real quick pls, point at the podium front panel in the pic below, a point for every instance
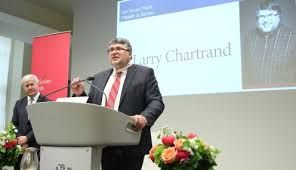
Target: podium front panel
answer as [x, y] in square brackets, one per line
[80, 124]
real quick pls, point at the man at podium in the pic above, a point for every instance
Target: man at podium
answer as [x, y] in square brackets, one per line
[133, 90]
[25, 134]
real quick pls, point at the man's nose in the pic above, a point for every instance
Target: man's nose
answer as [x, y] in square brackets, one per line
[265, 21]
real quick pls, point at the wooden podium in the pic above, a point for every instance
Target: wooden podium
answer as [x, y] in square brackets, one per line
[72, 135]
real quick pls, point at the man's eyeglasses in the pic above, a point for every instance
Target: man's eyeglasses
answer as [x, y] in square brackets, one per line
[268, 16]
[110, 50]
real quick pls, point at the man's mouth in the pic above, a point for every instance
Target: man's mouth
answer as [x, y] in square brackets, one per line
[115, 58]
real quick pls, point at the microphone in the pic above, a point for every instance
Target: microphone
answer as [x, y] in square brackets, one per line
[90, 78]
[86, 80]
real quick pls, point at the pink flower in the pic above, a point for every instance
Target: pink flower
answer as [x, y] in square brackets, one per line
[168, 140]
[182, 155]
[192, 135]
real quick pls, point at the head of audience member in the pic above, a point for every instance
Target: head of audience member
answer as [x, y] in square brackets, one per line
[268, 16]
[30, 84]
[119, 52]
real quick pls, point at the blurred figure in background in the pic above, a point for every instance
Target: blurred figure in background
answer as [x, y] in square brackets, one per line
[25, 134]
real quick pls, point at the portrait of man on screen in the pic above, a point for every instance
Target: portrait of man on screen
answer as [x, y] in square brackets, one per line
[269, 51]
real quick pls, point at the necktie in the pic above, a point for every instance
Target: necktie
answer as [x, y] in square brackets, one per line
[113, 92]
[31, 100]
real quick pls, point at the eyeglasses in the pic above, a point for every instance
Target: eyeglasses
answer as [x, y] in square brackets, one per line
[268, 16]
[112, 49]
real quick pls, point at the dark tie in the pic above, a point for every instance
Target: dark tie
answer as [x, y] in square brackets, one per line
[31, 100]
[114, 91]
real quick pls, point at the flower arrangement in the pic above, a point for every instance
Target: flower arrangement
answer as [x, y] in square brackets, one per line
[182, 152]
[9, 149]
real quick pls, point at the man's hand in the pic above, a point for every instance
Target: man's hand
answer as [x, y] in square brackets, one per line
[140, 121]
[22, 140]
[78, 87]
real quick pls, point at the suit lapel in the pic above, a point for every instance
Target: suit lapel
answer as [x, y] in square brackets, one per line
[23, 107]
[40, 99]
[102, 83]
[25, 102]
[128, 79]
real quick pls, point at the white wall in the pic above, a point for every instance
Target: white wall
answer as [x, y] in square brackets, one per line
[254, 130]
[94, 25]
[38, 12]
[5, 45]
[20, 29]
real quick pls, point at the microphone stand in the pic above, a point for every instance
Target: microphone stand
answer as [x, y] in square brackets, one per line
[62, 88]
[87, 81]
[89, 78]
[84, 80]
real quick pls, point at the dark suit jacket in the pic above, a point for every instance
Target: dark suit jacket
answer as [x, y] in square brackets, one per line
[21, 122]
[140, 95]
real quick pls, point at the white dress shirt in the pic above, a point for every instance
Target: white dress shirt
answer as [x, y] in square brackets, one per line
[110, 82]
[35, 98]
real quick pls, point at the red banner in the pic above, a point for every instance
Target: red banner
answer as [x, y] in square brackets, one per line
[50, 62]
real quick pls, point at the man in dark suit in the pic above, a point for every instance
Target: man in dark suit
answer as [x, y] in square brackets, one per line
[133, 90]
[25, 134]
